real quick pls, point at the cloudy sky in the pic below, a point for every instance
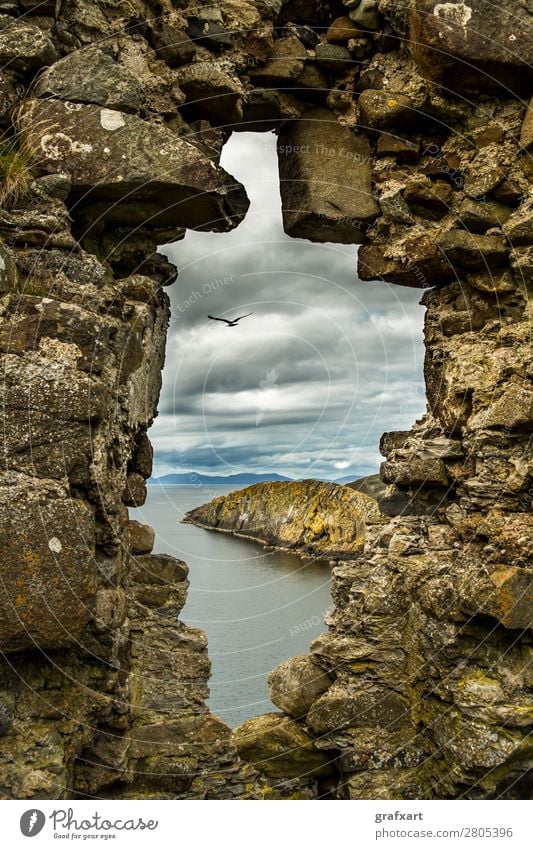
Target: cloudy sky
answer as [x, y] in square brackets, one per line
[307, 384]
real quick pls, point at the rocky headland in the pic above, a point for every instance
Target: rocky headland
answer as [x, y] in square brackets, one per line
[404, 127]
[308, 517]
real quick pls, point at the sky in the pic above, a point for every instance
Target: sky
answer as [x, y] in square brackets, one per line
[307, 384]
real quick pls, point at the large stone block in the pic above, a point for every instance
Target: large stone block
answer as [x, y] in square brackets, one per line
[51, 407]
[131, 171]
[285, 64]
[279, 747]
[211, 94]
[24, 48]
[418, 263]
[325, 180]
[92, 76]
[474, 46]
[47, 566]
[415, 471]
[375, 708]
[468, 250]
[296, 683]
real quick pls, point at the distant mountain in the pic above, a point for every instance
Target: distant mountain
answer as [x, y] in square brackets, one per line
[197, 479]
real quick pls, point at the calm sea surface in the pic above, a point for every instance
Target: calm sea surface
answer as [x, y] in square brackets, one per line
[257, 607]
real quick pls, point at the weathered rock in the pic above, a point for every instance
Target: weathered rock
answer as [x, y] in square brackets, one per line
[403, 150]
[495, 283]
[143, 454]
[304, 33]
[209, 33]
[48, 569]
[285, 64]
[512, 409]
[158, 569]
[415, 472]
[8, 271]
[134, 493]
[342, 30]
[160, 581]
[338, 709]
[465, 46]
[478, 217]
[467, 250]
[509, 597]
[428, 199]
[211, 93]
[526, 133]
[171, 43]
[55, 185]
[325, 180]
[484, 173]
[141, 537]
[120, 165]
[24, 48]
[369, 485]
[366, 14]
[394, 207]
[333, 57]
[323, 519]
[380, 110]
[312, 84]
[92, 76]
[48, 381]
[418, 263]
[522, 264]
[264, 108]
[296, 683]
[519, 227]
[279, 747]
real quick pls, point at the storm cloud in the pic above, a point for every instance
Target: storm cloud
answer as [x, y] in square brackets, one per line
[308, 383]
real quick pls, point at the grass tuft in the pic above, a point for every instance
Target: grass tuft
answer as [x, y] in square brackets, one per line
[15, 169]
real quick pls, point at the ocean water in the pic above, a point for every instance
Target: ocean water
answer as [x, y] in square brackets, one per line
[257, 607]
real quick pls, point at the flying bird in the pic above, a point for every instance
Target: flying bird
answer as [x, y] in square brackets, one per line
[234, 322]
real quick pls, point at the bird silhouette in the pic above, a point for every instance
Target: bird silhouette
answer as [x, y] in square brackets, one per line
[234, 321]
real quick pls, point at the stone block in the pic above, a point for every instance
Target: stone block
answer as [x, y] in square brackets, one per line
[473, 46]
[47, 568]
[296, 683]
[121, 166]
[279, 747]
[325, 180]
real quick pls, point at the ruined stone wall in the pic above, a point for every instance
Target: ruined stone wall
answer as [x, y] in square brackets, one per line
[403, 127]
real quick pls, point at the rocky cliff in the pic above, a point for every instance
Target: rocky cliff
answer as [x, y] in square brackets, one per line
[402, 127]
[308, 517]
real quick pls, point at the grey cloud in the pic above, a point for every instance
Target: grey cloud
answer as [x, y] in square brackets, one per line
[312, 379]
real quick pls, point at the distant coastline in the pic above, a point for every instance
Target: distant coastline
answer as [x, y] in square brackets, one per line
[243, 479]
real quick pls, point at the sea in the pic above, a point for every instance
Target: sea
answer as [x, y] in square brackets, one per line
[258, 607]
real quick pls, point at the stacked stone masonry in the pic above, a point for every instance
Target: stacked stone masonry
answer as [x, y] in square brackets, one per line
[409, 134]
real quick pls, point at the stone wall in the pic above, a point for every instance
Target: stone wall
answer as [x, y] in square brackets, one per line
[402, 128]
